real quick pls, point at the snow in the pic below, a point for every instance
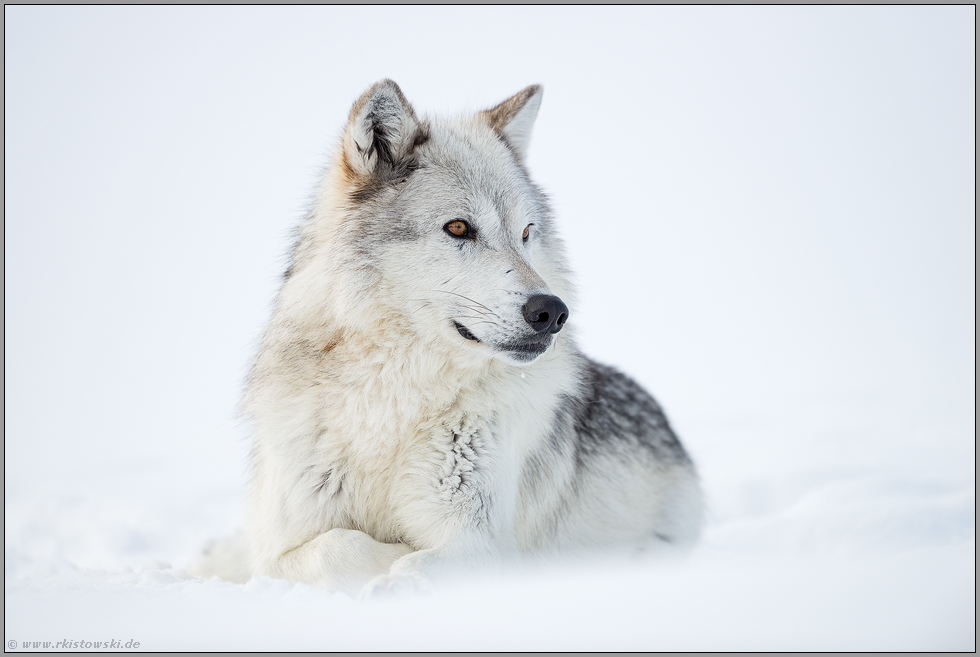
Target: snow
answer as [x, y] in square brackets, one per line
[779, 200]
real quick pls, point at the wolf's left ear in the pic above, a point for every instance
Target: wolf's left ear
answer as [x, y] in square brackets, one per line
[513, 118]
[382, 134]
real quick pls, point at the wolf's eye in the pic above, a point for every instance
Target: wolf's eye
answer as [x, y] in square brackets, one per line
[458, 228]
[527, 232]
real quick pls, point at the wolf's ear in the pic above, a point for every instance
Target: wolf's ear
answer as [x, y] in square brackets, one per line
[514, 117]
[382, 134]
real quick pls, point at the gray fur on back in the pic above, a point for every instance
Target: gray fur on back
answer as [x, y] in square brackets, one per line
[615, 413]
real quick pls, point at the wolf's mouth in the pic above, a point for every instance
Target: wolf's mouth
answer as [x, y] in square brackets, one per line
[465, 332]
[526, 351]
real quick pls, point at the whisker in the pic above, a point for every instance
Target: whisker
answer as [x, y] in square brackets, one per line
[471, 324]
[482, 318]
[474, 310]
[468, 299]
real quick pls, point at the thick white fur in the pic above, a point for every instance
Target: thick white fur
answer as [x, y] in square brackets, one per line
[389, 449]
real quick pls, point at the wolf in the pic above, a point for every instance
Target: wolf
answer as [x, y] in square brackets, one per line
[419, 403]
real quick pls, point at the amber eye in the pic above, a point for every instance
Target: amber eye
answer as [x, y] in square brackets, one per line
[457, 228]
[527, 232]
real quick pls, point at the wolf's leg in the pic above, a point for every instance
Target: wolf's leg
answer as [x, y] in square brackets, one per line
[454, 513]
[339, 560]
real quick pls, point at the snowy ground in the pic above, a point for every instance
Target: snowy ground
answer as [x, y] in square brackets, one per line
[803, 186]
[823, 558]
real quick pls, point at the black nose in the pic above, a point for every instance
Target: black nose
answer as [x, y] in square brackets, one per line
[545, 313]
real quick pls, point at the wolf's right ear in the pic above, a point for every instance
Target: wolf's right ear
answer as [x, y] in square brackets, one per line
[382, 134]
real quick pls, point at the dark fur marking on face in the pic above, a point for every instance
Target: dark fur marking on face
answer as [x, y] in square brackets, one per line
[377, 229]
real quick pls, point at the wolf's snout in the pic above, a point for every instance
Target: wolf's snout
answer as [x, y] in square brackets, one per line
[545, 313]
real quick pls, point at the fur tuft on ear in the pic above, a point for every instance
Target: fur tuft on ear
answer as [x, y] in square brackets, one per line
[382, 134]
[513, 118]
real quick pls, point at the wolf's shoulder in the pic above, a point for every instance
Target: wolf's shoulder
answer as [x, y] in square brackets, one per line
[611, 409]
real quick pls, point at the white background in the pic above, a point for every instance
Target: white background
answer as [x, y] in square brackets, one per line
[771, 215]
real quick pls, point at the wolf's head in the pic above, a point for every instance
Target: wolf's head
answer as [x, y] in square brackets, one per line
[432, 226]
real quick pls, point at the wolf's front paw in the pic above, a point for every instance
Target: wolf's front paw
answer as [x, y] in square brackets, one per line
[388, 585]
